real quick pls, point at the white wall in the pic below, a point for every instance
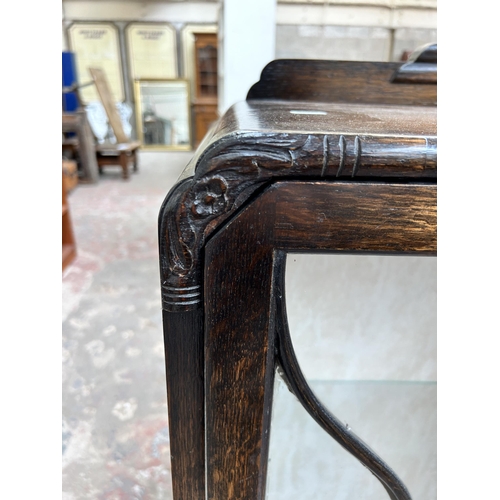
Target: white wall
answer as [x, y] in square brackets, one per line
[185, 12]
[372, 30]
[247, 43]
[378, 14]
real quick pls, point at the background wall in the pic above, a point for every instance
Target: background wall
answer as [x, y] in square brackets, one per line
[377, 30]
[371, 30]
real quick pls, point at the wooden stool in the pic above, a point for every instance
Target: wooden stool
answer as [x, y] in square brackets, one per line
[118, 155]
[322, 157]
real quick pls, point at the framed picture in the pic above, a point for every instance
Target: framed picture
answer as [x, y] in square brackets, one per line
[97, 45]
[162, 111]
[152, 50]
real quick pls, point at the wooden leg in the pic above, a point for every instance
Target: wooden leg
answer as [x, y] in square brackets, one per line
[86, 149]
[134, 158]
[184, 366]
[183, 334]
[124, 164]
[239, 362]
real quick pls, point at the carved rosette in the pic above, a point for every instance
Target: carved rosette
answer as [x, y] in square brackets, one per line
[229, 171]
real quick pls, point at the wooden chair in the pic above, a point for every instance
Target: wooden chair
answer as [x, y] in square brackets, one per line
[323, 156]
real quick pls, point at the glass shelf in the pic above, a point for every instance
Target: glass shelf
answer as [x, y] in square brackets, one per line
[396, 419]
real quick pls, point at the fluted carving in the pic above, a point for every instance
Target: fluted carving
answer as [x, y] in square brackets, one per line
[231, 170]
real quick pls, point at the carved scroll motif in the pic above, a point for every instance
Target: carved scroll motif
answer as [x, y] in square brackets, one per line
[230, 171]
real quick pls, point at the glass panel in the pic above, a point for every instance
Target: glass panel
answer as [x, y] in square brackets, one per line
[396, 419]
[365, 339]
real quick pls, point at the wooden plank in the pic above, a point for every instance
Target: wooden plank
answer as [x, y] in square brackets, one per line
[104, 92]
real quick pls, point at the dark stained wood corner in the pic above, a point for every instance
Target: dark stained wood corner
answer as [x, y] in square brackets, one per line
[324, 156]
[339, 81]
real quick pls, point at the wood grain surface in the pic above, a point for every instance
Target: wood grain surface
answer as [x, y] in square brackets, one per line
[338, 81]
[324, 156]
[240, 315]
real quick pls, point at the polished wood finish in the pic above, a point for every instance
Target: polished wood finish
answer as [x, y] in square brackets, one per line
[245, 152]
[301, 166]
[339, 81]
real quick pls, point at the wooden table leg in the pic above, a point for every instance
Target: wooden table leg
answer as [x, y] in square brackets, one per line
[240, 362]
[184, 369]
[134, 159]
[124, 164]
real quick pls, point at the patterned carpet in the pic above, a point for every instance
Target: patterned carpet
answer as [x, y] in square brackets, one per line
[115, 429]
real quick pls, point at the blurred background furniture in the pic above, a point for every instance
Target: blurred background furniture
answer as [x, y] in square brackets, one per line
[118, 154]
[123, 151]
[205, 99]
[82, 143]
[95, 145]
[68, 238]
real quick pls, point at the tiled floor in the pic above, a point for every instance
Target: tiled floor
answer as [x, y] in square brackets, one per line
[115, 434]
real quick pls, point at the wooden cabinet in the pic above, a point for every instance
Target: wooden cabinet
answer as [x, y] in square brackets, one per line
[68, 238]
[204, 116]
[205, 98]
[308, 164]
